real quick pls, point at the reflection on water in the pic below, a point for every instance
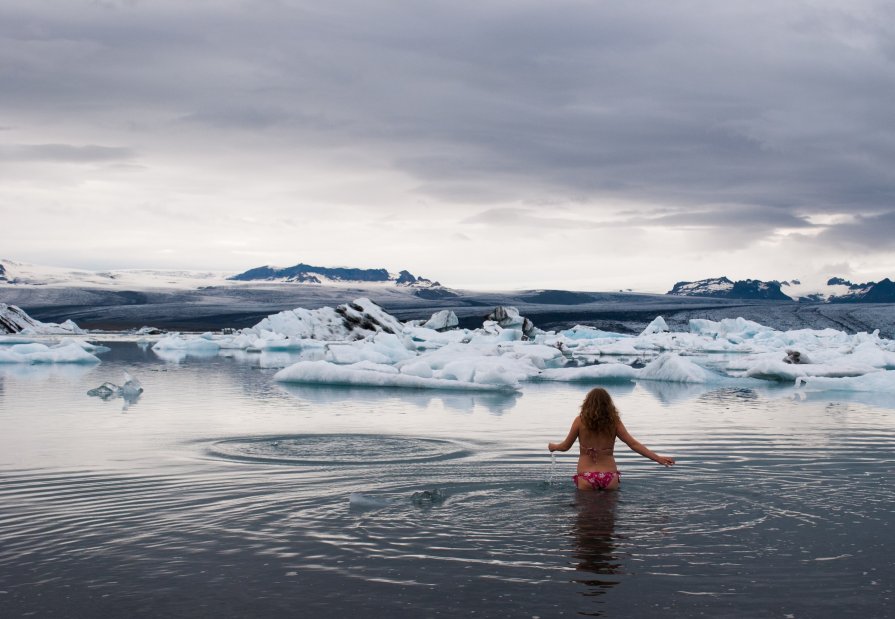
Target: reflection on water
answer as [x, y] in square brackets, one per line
[225, 494]
[463, 402]
[594, 544]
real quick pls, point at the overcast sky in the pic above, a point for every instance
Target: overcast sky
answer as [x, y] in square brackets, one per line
[589, 145]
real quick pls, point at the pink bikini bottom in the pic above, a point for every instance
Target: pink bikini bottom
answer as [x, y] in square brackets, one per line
[598, 480]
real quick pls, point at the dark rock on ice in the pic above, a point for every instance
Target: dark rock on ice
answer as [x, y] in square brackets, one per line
[795, 357]
[509, 318]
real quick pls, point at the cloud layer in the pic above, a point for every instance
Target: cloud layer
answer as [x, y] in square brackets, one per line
[659, 138]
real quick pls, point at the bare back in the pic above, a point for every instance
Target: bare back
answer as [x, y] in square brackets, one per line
[595, 450]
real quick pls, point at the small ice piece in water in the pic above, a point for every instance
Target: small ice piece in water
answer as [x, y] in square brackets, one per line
[428, 498]
[105, 391]
[356, 500]
[130, 390]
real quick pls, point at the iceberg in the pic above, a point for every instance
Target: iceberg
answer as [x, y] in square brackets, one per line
[351, 321]
[789, 372]
[360, 344]
[130, 391]
[605, 372]
[69, 352]
[441, 321]
[326, 373]
[14, 319]
[676, 369]
[877, 382]
[658, 325]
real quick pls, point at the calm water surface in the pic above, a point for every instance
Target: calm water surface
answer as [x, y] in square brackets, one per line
[220, 493]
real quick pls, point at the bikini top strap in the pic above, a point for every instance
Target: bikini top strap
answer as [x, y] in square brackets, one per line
[593, 452]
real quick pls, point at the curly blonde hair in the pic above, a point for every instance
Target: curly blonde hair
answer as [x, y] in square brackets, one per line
[598, 413]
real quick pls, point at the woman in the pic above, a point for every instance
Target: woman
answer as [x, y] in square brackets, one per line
[596, 429]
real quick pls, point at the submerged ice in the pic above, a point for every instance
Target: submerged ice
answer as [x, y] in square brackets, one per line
[360, 344]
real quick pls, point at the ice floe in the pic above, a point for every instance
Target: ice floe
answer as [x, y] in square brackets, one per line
[360, 344]
[35, 352]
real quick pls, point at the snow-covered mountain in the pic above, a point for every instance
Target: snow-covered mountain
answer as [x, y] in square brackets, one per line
[14, 273]
[834, 290]
[308, 274]
[840, 290]
[18, 274]
[722, 287]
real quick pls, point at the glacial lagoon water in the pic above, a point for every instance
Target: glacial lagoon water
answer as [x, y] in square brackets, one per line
[220, 493]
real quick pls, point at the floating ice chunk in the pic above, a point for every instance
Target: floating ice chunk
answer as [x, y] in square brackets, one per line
[788, 372]
[355, 320]
[148, 331]
[675, 369]
[492, 369]
[395, 348]
[105, 391]
[179, 342]
[539, 355]
[13, 319]
[325, 373]
[131, 387]
[371, 366]
[727, 327]
[89, 347]
[347, 354]
[605, 372]
[269, 342]
[130, 390]
[69, 326]
[417, 368]
[356, 500]
[883, 381]
[509, 318]
[626, 347]
[871, 353]
[583, 332]
[658, 325]
[27, 349]
[68, 352]
[441, 321]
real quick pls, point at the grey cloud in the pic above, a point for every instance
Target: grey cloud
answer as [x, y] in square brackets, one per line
[727, 216]
[63, 152]
[518, 217]
[784, 111]
[866, 234]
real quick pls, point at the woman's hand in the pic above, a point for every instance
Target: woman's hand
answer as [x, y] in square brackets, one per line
[664, 460]
[552, 446]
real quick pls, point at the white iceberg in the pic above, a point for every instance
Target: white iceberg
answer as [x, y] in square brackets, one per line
[658, 325]
[69, 352]
[445, 319]
[605, 372]
[676, 369]
[325, 373]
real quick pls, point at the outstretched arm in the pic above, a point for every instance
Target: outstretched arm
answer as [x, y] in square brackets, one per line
[622, 432]
[569, 440]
